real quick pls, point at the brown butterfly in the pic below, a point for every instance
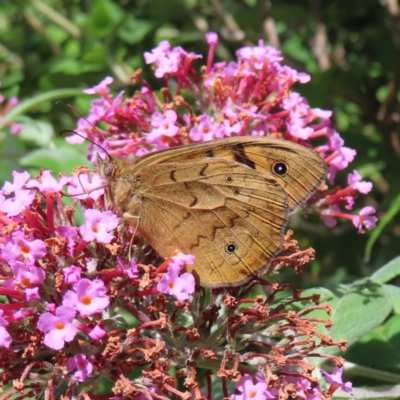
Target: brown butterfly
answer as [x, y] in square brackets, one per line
[226, 201]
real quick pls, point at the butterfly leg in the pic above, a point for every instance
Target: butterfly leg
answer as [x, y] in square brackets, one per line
[129, 217]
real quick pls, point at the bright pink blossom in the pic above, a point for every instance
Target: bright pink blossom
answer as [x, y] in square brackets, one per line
[25, 276]
[102, 88]
[82, 365]
[206, 130]
[58, 328]
[82, 187]
[72, 274]
[98, 225]
[32, 294]
[164, 125]
[20, 179]
[17, 204]
[20, 248]
[336, 380]
[250, 390]
[47, 183]
[365, 218]
[179, 286]
[354, 180]
[89, 297]
[97, 333]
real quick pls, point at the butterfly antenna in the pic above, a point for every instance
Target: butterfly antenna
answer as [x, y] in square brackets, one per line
[76, 133]
[89, 140]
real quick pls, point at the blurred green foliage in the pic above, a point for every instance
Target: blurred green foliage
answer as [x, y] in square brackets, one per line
[52, 49]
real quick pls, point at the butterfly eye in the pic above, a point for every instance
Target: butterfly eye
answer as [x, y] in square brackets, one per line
[229, 179]
[280, 168]
[108, 170]
[231, 248]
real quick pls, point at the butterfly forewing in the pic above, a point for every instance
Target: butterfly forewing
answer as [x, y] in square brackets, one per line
[299, 170]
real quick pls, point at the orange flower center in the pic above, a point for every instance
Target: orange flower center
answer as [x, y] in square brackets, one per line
[25, 249]
[60, 325]
[171, 285]
[26, 282]
[86, 300]
[95, 229]
[252, 395]
[206, 130]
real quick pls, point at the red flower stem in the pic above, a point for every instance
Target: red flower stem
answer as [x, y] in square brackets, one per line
[81, 246]
[50, 211]
[18, 294]
[33, 222]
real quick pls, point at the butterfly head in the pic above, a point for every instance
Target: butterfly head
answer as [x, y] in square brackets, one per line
[106, 168]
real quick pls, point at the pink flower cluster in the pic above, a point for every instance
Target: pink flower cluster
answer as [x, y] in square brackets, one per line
[27, 256]
[249, 96]
[65, 282]
[257, 389]
[50, 267]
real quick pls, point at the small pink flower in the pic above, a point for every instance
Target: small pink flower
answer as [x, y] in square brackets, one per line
[47, 183]
[17, 204]
[179, 286]
[102, 88]
[20, 180]
[58, 328]
[211, 38]
[81, 188]
[20, 246]
[72, 274]
[206, 130]
[181, 259]
[97, 225]
[32, 294]
[354, 180]
[114, 108]
[336, 380]
[365, 218]
[82, 127]
[164, 126]
[158, 52]
[25, 276]
[326, 216]
[129, 267]
[249, 389]
[83, 367]
[306, 391]
[258, 55]
[89, 297]
[5, 337]
[97, 333]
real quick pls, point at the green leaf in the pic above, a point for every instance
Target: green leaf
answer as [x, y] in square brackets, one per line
[60, 159]
[37, 132]
[134, 30]
[394, 293]
[105, 16]
[363, 306]
[384, 344]
[26, 104]
[394, 208]
[388, 271]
